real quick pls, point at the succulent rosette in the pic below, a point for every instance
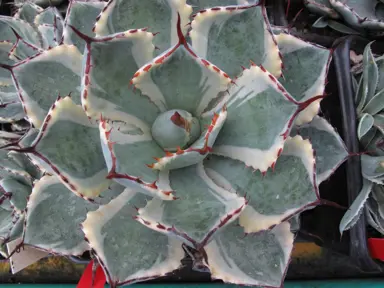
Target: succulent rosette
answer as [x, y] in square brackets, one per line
[161, 137]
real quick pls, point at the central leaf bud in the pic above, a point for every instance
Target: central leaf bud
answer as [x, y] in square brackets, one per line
[175, 128]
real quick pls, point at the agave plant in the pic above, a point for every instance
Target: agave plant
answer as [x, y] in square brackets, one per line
[359, 15]
[369, 98]
[117, 84]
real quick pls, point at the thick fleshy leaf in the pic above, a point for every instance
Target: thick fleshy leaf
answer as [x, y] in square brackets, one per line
[25, 163]
[23, 50]
[17, 229]
[55, 72]
[372, 167]
[11, 112]
[5, 49]
[376, 104]
[126, 155]
[8, 167]
[203, 207]
[26, 31]
[105, 81]
[6, 224]
[322, 7]
[373, 217]
[115, 236]
[274, 196]
[351, 217]
[20, 192]
[27, 12]
[260, 116]
[232, 36]
[380, 66]
[259, 259]
[369, 78]
[198, 150]
[359, 13]
[53, 218]
[198, 5]
[49, 37]
[378, 122]
[50, 23]
[378, 196]
[195, 87]
[159, 16]
[328, 145]
[70, 144]
[365, 124]
[305, 71]
[81, 15]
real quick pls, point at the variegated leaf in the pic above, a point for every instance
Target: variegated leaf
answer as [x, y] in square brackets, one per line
[359, 13]
[8, 167]
[70, 144]
[274, 196]
[195, 88]
[6, 218]
[28, 12]
[203, 207]
[11, 112]
[53, 218]
[305, 70]
[23, 50]
[328, 145]
[50, 23]
[55, 72]
[159, 16]
[20, 192]
[9, 25]
[256, 260]
[351, 217]
[25, 163]
[115, 236]
[257, 98]
[81, 15]
[105, 79]
[218, 35]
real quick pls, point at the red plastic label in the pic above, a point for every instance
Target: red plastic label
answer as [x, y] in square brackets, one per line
[376, 248]
[92, 279]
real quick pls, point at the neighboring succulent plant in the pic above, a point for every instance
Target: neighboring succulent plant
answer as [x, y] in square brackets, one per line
[369, 98]
[360, 15]
[214, 135]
